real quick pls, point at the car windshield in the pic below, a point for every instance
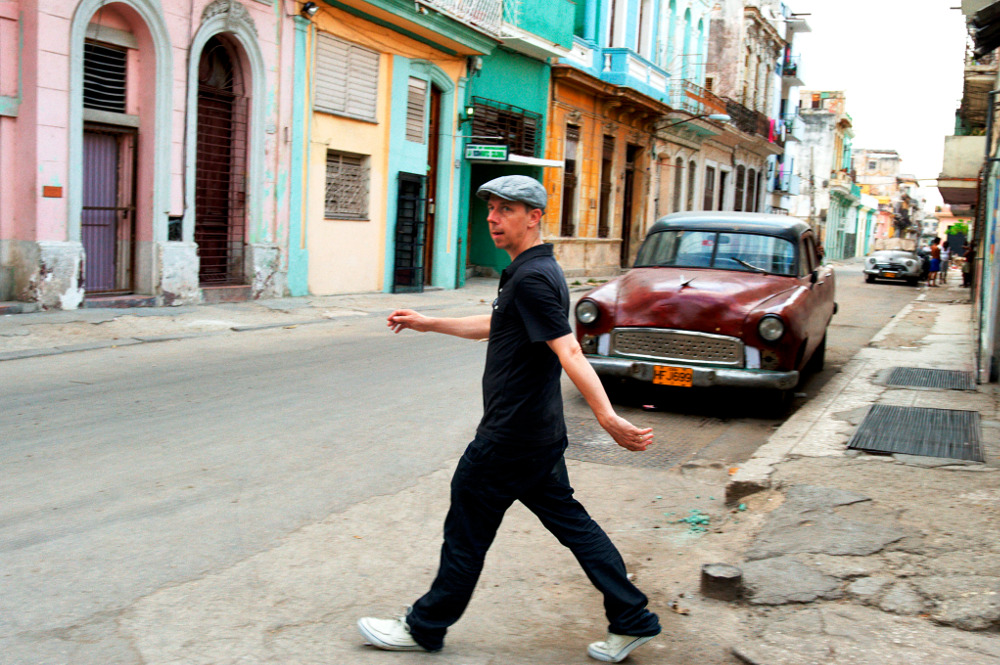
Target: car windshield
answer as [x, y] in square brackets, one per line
[708, 249]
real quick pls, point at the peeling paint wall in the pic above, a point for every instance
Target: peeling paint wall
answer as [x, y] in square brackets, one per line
[42, 119]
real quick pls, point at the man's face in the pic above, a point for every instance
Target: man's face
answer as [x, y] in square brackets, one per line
[512, 224]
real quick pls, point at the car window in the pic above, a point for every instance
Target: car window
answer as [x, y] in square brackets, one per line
[682, 249]
[706, 249]
[807, 255]
[749, 252]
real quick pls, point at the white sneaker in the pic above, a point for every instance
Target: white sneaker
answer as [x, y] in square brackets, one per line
[616, 648]
[388, 634]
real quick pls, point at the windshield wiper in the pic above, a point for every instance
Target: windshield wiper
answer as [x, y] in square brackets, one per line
[748, 265]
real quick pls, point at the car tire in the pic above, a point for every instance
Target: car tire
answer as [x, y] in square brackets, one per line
[779, 402]
[870, 279]
[818, 359]
[912, 281]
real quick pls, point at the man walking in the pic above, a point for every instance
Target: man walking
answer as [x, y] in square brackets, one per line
[517, 453]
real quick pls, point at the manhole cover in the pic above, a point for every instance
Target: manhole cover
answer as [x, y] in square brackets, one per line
[945, 379]
[674, 441]
[916, 431]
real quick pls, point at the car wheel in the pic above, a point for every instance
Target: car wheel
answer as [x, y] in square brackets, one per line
[818, 359]
[912, 281]
[870, 279]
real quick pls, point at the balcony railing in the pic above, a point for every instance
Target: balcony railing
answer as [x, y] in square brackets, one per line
[623, 66]
[484, 15]
[790, 66]
[747, 120]
[691, 97]
[788, 183]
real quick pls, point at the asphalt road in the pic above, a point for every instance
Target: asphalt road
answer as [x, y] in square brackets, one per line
[727, 426]
[127, 470]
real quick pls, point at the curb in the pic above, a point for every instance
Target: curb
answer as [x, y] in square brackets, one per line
[754, 475]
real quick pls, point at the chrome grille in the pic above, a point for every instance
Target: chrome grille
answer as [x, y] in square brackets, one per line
[677, 345]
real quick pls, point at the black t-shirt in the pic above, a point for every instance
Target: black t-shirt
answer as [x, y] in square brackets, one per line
[522, 401]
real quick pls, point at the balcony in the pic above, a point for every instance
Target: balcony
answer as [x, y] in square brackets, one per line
[625, 67]
[483, 15]
[794, 127]
[790, 70]
[788, 183]
[748, 121]
[538, 28]
[691, 97]
[959, 179]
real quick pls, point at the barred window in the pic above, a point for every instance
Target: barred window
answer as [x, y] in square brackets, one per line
[347, 177]
[513, 126]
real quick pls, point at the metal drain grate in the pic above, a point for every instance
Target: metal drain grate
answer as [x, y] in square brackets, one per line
[945, 379]
[916, 431]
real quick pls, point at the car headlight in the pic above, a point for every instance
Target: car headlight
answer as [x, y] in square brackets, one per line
[909, 263]
[771, 327]
[871, 260]
[587, 312]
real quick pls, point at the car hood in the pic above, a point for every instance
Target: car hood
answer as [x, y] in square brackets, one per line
[892, 255]
[713, 301]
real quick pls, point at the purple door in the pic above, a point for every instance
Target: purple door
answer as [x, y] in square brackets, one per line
[100, 209]
[108, 215]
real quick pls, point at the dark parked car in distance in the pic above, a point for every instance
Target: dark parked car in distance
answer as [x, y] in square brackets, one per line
[714, 299]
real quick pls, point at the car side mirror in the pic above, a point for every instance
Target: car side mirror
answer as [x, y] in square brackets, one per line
[814, 277]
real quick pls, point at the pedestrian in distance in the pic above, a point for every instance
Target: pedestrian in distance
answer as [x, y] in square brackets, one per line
[517, 452]
[945, 262]
[968, 264]
[932, 275]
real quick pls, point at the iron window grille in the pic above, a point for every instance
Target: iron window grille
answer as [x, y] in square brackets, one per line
[516, 128]
[347, 179]
[104, 69]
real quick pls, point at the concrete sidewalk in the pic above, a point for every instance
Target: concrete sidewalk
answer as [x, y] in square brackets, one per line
[25, 332]
[847, 557]
[51, 332]
[877, 559]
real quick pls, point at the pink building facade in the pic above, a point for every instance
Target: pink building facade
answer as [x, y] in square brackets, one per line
[142, 145]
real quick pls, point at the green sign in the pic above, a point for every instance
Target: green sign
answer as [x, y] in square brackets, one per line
[493, 153]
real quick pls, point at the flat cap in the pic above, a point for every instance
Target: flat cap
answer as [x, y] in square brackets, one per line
[515, 188]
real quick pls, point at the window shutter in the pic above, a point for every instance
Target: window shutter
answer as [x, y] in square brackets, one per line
[104, 77]
[416, 101]
[346, 78]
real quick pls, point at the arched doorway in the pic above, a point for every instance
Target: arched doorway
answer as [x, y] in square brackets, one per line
[221, 166]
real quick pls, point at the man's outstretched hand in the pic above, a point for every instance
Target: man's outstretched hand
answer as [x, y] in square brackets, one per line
[627, 435]
[402, 319]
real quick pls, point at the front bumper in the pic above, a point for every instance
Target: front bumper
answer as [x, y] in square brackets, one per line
[898, 274]
[702, 377]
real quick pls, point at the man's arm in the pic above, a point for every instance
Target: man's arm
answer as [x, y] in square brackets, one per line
[585, 379]
[467, 327]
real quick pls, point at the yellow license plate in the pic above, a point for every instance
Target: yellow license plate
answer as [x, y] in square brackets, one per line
[672, 376]
[888, 274]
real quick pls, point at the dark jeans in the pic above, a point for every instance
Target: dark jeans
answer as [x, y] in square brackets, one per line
[488, 479]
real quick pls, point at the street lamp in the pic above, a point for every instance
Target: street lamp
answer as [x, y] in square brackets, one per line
[718, 117]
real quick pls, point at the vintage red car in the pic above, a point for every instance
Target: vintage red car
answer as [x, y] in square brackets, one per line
[714, 299]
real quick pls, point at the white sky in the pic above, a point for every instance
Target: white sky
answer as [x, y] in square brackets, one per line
[900, 63]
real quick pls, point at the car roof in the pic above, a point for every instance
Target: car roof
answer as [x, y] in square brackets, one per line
[782, 226]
